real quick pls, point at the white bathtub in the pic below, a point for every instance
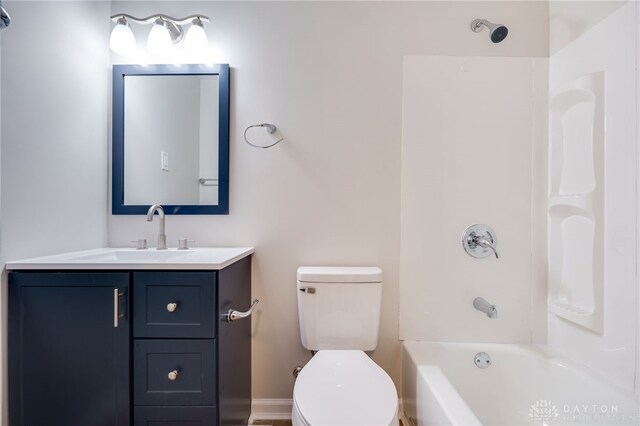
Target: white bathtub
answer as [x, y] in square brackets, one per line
[524, 385]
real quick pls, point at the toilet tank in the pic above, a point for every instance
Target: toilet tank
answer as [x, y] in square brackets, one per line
[339, 307]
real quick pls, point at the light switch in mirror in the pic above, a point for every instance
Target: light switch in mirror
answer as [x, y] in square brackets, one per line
[171, 138]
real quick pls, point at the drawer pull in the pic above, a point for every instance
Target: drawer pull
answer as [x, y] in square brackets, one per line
[171, 307]
[172, 375]
[233, 315]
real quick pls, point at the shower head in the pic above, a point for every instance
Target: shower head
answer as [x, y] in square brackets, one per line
[5, 19]
[497, 32]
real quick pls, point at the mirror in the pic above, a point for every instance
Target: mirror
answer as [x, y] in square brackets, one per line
[171, 138]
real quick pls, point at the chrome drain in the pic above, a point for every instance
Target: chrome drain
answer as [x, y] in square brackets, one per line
[482, 360]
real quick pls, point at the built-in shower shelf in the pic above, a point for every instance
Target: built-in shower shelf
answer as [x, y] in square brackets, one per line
[586, 318]
[573, 310]
[576, 200]
[584, 202]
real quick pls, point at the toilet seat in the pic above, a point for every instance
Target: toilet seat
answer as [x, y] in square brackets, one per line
[344, 387]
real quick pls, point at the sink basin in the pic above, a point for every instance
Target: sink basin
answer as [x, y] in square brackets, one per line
[136, 255]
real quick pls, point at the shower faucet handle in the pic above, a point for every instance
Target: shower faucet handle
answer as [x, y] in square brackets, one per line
[479, 241]
[485, 243]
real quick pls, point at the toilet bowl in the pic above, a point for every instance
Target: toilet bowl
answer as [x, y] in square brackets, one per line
[344, 387]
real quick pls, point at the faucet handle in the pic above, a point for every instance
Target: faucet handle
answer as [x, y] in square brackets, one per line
[479, 241]
[141, 244]
[485, 243]
[183, 243]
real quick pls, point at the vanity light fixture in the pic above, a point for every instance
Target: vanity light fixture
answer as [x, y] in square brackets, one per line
[195, 42]
[161, 38]
[166, 31]
[122, 40]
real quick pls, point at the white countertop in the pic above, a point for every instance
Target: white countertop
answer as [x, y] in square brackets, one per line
[201, 258]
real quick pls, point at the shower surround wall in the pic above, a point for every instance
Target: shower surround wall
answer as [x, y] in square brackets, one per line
[592, 197]
[471, 130]
[329, 75]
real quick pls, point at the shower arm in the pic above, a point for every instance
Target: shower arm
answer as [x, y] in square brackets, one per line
[478, 24]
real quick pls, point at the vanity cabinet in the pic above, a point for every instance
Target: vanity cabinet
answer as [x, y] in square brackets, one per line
[118, 348]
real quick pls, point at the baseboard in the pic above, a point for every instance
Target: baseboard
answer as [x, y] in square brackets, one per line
[271, 409]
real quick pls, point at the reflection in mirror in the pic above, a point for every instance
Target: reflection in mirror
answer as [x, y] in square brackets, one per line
[171, 134]
[171, 138]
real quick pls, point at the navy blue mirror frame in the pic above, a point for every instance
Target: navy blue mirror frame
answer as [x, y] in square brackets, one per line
[119, 73]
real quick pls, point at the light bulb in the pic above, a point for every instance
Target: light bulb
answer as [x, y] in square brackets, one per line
[159, 42]
[195, 42]
[122, 40]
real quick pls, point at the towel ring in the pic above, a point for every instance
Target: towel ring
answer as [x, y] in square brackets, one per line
[270, 129]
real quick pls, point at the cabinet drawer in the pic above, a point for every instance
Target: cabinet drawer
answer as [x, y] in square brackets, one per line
[174, 416]
[192, 363]
[174, 304]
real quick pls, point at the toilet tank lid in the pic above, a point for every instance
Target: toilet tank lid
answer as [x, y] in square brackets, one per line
[340, 274]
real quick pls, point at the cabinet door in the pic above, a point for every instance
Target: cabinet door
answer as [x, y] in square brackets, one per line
[68, 350]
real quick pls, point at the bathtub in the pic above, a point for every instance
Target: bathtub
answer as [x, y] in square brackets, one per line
[523, 385]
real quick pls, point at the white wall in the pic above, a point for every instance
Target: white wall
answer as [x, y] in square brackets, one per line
[329, 75]
[54, 112]
[570, 19]
[637, 117]
[613, 353]
[54, 139]
[467, 146]
[3, 293]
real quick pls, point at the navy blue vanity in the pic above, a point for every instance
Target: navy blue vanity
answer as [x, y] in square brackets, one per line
[124, 346]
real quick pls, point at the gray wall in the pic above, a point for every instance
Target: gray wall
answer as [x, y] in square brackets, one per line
[54, 113]
[55, 106]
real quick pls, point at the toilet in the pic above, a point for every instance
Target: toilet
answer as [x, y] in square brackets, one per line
[339, 313]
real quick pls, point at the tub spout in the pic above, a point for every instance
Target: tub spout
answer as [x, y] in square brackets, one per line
[485, 307]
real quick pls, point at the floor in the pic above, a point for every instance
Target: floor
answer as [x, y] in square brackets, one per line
[272, 422]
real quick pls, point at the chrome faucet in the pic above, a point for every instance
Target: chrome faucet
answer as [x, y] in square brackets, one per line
[483, 306]
[162, 238]
[479, 241]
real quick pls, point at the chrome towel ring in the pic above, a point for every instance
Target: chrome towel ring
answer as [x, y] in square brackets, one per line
[270, 129]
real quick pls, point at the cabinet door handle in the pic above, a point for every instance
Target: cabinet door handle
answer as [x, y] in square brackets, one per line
[233, 315]
[171, 307]
[116, 307]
